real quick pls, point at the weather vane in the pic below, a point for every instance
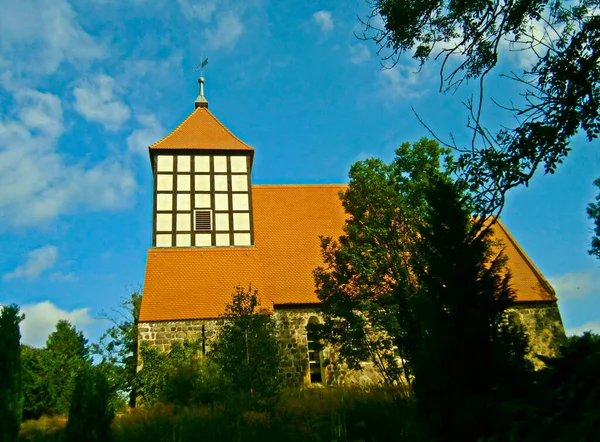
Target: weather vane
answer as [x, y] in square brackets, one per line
[202, 64]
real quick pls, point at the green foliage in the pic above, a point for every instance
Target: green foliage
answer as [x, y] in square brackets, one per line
[90, 414]
[593, 211]
[66, 354]
[246, 347]
[562, 84]
[367, 282]
[44, 429]
[118, 348]
[35, 363]
[11, 394]
[192, 378]
[150, 380]
[465, 345]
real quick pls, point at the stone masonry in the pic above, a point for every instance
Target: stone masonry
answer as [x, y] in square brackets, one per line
[541, 321]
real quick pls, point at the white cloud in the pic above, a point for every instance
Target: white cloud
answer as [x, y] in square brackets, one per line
[402, 81]
[36, 181]
[67, 277]
[38, 261]
[41, 318]
[96, 100]
[323, 20]
[198, 9]
[593, 326]
[577, 284]
[150, 132]
[359, 54]
[37, 36]
[226, 32]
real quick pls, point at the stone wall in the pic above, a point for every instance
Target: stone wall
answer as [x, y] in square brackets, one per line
[543, 324]
[541, 321]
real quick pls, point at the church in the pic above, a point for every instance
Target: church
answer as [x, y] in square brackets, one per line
[213, 230]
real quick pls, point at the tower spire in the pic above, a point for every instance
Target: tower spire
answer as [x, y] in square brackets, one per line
[201, 100]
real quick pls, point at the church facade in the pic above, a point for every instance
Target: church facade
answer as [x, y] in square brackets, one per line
[214, 230]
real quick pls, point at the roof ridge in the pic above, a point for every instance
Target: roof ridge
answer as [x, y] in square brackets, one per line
[537, 272]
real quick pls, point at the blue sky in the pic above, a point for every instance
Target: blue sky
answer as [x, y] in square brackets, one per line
[86, 86]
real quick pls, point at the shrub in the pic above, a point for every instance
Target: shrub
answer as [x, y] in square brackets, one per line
[44, 429]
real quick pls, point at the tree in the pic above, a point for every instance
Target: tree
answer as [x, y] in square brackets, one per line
[90, 413]
[67, 353]
[246, 347]
[593, 211]
[11, 394]
[367, 281]
[561, 87]
[35, 363]
[118, 347]
[467, 352]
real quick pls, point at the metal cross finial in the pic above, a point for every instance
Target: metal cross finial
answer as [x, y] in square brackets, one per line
[202, 64]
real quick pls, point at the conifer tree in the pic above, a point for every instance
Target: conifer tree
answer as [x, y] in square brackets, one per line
[11, 394]
[467, 353]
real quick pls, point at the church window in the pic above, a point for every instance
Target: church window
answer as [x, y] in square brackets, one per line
[202, 220]
[315, 355]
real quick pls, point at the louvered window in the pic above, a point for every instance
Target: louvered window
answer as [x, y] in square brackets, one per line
[202, 220]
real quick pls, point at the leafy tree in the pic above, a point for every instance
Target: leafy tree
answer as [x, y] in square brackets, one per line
[11, 394]
[593, 211]
[67, 353]
[246, 347]
[90, 413]
[467, 353]
[561, 87]
[192, 378]
[367, 281]
[118, 347]
[150, 380]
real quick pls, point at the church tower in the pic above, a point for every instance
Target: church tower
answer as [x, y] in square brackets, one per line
[202, 184]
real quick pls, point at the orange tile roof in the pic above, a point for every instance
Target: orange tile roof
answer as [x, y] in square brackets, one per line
[196, 283]
[201, 130]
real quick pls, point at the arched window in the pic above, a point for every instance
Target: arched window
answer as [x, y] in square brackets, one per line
[315, 356]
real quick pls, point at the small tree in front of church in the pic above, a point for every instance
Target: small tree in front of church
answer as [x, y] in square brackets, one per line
[246, 347]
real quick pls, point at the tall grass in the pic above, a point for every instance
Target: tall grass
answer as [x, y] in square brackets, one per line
[317, 415]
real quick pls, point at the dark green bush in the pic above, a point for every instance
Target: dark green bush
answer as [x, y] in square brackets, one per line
[89, 414]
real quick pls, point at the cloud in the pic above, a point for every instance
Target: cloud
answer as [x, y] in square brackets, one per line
[37, 36]
[201, 10]
[41, 318]
[150, 132]
[593, 326]
[323, 20]
[38, 261]
[36, 182]
[226, 32]
[96, 100]
[67, 277]
[402, 81]
[579, 284]
[359, 54]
